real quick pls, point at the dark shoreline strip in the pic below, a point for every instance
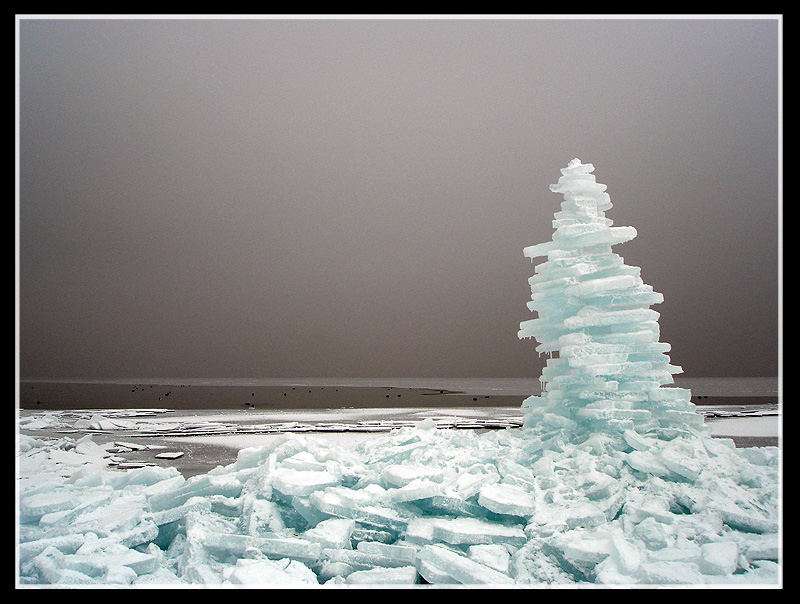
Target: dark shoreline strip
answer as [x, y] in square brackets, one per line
[76, 395]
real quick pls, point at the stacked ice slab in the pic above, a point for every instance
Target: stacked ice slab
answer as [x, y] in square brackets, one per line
[594, 313]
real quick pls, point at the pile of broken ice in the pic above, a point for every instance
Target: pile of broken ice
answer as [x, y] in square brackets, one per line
[612, 479]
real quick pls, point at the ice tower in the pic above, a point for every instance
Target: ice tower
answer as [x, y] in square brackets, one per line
[607, 368]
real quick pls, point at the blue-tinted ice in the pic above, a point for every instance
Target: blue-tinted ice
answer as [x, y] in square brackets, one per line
[594, 313]
[613, 478]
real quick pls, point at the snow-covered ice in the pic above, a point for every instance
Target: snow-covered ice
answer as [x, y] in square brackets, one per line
[612, 478]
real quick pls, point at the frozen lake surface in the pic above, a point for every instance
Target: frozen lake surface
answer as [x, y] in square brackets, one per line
[211, 437]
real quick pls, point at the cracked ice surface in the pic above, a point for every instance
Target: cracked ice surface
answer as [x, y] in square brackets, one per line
[612, 478]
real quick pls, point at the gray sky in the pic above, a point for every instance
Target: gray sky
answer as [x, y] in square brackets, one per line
[351, 197]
